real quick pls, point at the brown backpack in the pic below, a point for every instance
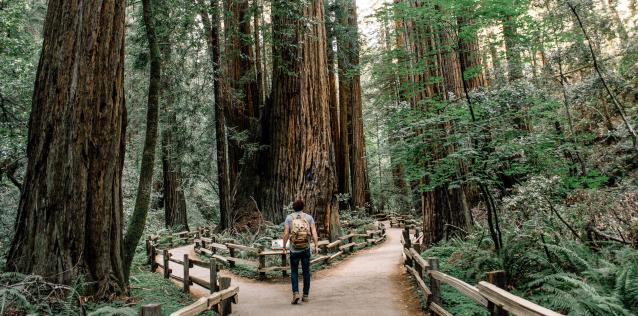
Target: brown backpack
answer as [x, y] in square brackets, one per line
[300, 235]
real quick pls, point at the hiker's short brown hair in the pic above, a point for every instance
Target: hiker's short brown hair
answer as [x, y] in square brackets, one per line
[298, 205]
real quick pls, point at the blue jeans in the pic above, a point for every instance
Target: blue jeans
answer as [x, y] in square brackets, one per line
[295, 257]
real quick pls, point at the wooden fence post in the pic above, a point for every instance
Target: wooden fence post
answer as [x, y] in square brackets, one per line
[167, 270]
[498, 278]
[212, 266]
[187, 280]
[151, 310]
[232, 254]
[152, 258]
[225, 307]
[324, 248]
[148, 248]
[406, 238]
[262, 262]
[350, 241]
[435, 285]
[284, 263]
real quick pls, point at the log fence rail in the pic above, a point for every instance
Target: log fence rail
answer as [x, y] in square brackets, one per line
[231, 253]
[490, 295]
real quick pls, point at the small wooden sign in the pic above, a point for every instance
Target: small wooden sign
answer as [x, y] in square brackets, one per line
[277, 244]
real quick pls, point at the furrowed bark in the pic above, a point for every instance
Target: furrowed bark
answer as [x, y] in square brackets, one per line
[300, 160]
[69, 220]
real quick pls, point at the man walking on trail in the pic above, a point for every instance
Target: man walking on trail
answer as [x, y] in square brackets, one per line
[299, 226]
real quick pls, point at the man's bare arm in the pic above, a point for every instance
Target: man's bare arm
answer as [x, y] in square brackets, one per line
[315, 237]
[285, 236]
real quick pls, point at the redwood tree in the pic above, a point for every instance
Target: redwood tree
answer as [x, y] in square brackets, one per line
[174, 199]
[242, 110]
[300, 161]
[69, 221]
[350, 101]
[211, 33]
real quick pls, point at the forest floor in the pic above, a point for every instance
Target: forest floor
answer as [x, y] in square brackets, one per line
[370, 282]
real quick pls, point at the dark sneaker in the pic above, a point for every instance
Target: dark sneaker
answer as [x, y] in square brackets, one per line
[305, 299]
[295, 298]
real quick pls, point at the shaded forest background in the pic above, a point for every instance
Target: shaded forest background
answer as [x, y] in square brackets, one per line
[507, 126]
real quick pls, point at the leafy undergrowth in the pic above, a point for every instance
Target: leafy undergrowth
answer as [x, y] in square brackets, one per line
[562, 275]
[31, 295]
[146, 288]
[453, 301]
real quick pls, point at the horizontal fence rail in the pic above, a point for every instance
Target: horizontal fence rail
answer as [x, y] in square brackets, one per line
[231, 253]
[220, 302]
[490, 294]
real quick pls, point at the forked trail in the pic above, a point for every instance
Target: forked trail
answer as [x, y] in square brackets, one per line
[370, 282]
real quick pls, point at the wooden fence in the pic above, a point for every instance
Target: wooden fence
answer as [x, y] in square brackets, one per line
[231, 253]
[490, 294]
[220, 302]
[403, 221]
[222, 294]
[228, 253]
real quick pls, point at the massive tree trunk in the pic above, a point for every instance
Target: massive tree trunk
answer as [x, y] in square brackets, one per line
[242, 88]
[350, 85]
[300, 161]
[174, 199]
[344, 36]
[242, 112]
[211, 30]
[69, 221]
[175, 211]
[403, 194]
[431, 45]
[143, 198]
[333, 100]
[469, 55]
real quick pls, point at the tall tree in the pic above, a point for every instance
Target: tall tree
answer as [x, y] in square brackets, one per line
[69, 221]
[175, 211]
[350, 98]
[257, 10]
[435, 74]
[300, 161]
[331, 32]
[212, 35]
[143, 197]
[404, 200]
[174, 199]
[242, 109]
[343, 35]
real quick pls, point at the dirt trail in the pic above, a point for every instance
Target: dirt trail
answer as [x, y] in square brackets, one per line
[370, 282]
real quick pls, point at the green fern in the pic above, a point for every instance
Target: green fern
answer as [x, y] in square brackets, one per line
[114, 311]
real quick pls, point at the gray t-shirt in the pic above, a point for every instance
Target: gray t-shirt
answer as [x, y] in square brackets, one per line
[288, 222]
